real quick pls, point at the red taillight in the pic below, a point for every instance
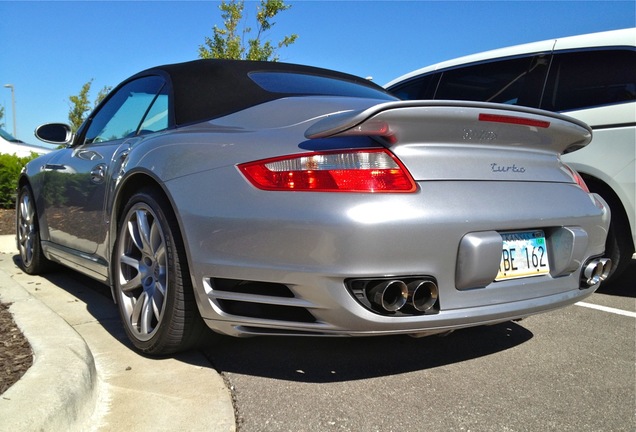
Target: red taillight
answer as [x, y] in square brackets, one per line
[373, 170]
[495, 118]
[577, 178]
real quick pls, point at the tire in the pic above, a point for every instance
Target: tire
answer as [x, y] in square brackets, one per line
[618, 248]
[151, 278]
[32, 259]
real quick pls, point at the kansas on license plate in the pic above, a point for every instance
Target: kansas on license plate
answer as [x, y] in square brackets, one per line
[524, 254]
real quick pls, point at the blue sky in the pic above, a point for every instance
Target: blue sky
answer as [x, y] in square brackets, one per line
[49, 49]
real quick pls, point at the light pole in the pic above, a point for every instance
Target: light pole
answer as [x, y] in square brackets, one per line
[15, 135]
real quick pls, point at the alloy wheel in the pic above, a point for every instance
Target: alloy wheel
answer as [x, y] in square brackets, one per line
[26, 229]
[142, 279]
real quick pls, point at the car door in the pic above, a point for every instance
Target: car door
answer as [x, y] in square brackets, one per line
[76, 181]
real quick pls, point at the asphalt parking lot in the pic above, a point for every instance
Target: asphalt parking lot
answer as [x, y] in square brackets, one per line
[567, 370]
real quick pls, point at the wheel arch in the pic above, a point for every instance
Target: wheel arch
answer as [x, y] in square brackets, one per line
[22, 181]
[25, 180]
[600, 187]
[131, 184]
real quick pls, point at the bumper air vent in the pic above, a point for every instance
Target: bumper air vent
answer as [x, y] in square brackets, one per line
[258, 300]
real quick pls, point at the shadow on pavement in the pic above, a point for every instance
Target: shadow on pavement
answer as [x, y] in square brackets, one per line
[95, 295]
[99, 304]
[324, 360]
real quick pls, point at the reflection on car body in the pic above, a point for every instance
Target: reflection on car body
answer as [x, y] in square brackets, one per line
[277, 199]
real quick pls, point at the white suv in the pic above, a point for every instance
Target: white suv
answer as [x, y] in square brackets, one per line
[590, 77]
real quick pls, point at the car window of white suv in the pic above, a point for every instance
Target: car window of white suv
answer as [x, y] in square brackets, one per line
[516, 81]
[587, 79]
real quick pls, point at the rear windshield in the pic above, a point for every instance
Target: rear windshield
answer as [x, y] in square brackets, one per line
[306, 84]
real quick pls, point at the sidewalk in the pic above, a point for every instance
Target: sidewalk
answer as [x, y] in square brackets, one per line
[86, 377]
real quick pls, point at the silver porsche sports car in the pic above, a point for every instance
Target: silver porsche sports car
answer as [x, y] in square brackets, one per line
[276, 199]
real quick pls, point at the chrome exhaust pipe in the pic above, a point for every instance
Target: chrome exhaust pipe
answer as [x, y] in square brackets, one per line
[596, 271]
[592, 273]
[607, 268]
[422, 294]
[390, 295]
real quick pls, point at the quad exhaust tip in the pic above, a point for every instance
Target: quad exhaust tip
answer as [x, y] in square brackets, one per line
[394, 294]
[595, 271]
[422, 294]
[389, 295]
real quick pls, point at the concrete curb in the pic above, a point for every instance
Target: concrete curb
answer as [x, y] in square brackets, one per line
[86, 377]
[60, 389]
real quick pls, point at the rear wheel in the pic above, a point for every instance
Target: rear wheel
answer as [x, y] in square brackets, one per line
[152, 281]
[32, 258]
[619, 246]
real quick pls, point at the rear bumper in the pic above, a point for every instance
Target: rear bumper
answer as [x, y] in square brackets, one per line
[311, 243]
[355, 325]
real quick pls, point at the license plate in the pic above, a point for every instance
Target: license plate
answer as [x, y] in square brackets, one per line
[524, 254]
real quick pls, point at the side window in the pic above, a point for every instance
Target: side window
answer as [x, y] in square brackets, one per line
[516, 81]
[421, 87]
[137, 107]
[587, 79]
[157, 117]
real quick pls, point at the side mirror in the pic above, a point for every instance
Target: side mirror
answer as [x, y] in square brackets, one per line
[54, 133]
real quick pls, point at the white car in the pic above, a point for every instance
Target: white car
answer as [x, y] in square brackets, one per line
[11, 145]
[589, 77]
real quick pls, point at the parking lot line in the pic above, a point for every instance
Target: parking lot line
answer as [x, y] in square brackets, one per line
[607, 309]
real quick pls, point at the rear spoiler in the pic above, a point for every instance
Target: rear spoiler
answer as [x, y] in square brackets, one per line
[388, 120]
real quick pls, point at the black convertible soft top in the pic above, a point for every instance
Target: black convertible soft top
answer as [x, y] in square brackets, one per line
[207, 89]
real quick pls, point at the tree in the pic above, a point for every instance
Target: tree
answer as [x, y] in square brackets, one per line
[102, 94]
[229, 42]
[79, 107]
[1, 116]
[80, 104]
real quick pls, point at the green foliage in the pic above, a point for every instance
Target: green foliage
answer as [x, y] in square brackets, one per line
[10, 168]
[58, 189]
[63, 189]
[229, 42]
[79, 107]
[80, 104]
[102, 94]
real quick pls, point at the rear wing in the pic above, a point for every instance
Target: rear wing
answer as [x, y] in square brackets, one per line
[458, 122]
